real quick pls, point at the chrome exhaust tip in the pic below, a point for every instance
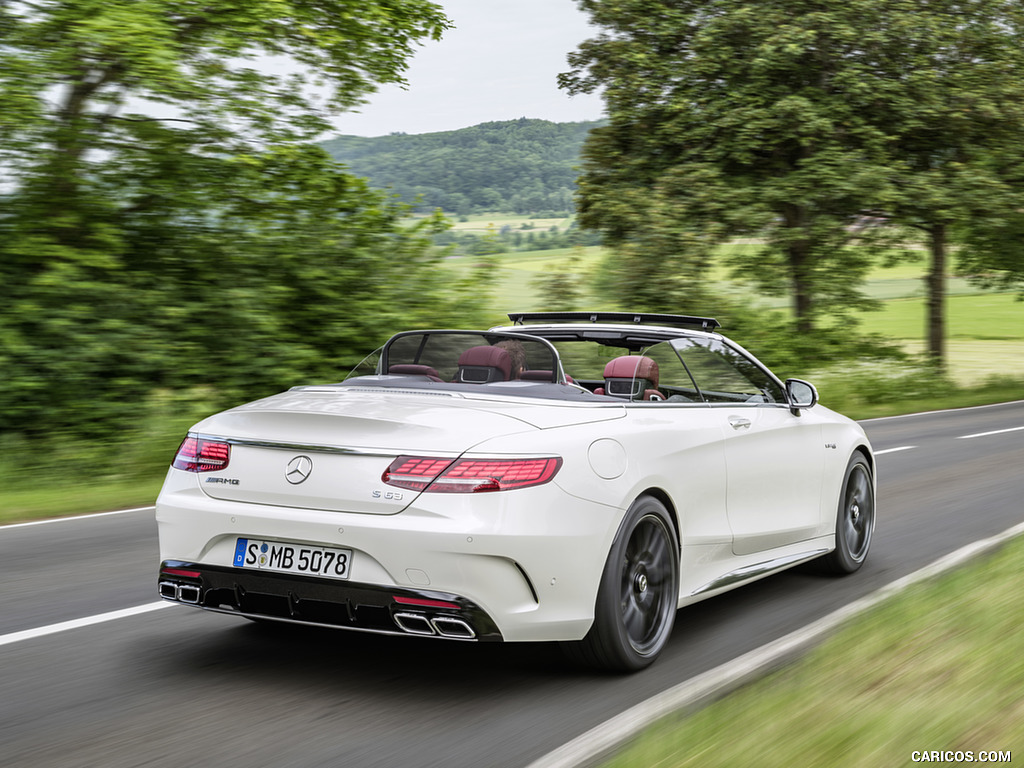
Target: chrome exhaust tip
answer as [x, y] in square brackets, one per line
[168, 590]
[183, 593]
[188, 593]
[414, 623]
[449, 626]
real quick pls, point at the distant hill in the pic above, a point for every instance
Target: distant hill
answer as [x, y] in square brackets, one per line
[517, 166]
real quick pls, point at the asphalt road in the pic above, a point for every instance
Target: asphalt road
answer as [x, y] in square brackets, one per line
[179, 687]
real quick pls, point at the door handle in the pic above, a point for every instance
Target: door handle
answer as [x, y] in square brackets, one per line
[736, 422]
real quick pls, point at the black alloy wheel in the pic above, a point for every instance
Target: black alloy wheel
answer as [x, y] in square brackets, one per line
[639, 592]
[855, 520]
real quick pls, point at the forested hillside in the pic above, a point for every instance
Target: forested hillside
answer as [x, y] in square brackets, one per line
[517, 166]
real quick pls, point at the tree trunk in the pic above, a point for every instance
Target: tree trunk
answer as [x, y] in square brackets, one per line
[798, 257]
[936, 282]
[802, 301]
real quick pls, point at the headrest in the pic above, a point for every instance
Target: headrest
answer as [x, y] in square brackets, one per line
[632, 367]
[478, 365]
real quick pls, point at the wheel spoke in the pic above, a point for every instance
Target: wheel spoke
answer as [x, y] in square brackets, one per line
[657, 578]
[644, 536]
[658, 550]
[626, 587]
[860, 488]
[633, 620]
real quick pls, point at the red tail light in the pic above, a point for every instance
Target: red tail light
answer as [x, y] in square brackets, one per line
[414, 472]
[469, 475]
[197, 454]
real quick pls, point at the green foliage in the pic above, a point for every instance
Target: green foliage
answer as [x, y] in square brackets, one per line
[871, 383]
[806, 125]
[140, 448]
[746, 122]
[519, 166]
[285, 280]
[561, 288]
[992, 255]
[213, 250]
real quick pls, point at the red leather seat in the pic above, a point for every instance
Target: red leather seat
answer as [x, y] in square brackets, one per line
[480, 365]
[632, 377]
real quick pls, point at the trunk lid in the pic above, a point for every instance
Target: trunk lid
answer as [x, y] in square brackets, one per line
[326, 447]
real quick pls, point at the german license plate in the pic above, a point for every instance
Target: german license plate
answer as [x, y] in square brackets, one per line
[293, 558]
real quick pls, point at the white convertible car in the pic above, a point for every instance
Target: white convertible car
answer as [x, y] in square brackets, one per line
[571, 477]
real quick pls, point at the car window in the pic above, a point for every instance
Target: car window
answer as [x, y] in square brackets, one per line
[675, 383]
[585, 360]
[724, 374]
[468, 357]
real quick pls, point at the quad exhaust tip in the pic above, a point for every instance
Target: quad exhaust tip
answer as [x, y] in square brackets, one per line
[410, 622]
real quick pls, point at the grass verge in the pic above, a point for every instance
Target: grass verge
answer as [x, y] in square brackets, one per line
[937, 667]
[76, 498]
[850, 402]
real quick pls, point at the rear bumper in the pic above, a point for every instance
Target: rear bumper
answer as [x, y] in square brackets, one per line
[526, 564]
[325, 602]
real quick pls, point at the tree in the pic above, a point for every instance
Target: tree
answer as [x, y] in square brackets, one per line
[560, 288]
[728, 119]
[81, 79]
[164, 221]
[804, 123]
[955, 117]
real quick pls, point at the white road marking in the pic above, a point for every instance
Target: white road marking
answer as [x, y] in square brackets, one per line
[64, 626]
[895, 450]
[75, 517]
[603, 740]
[994, 432]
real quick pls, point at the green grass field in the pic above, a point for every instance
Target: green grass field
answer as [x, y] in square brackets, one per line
[985, 330]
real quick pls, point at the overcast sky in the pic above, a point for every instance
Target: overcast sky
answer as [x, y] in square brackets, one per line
[498, 63]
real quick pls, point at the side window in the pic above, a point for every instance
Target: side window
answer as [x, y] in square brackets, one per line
[725, 375]
[675, 382]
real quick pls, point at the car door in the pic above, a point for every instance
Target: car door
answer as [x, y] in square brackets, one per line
[774, 457]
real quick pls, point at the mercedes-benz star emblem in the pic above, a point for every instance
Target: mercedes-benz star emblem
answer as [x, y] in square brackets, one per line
[298, 469]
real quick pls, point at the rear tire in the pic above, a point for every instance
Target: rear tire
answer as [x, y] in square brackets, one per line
[855, 519]
[638, 594]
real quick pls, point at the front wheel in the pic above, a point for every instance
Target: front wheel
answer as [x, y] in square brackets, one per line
[855, 519]
[638, 594]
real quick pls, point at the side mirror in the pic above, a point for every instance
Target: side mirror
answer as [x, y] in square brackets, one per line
[801, 394]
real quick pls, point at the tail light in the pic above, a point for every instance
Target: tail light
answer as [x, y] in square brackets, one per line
[414, 472]
[420, 473]
[197, 454]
